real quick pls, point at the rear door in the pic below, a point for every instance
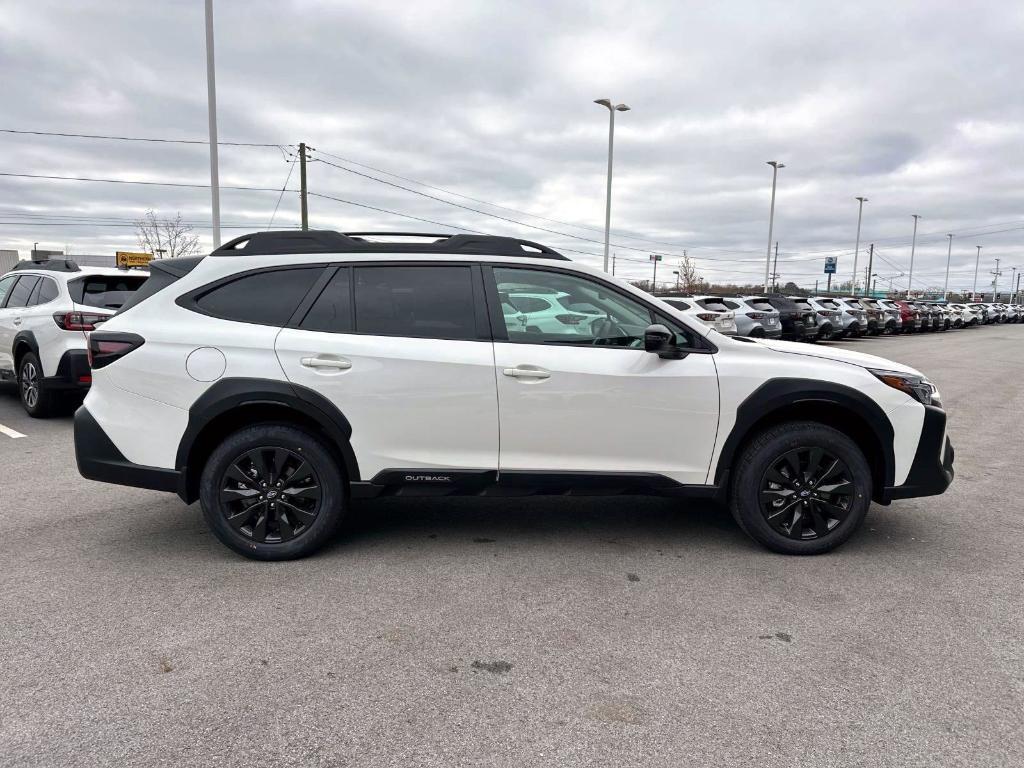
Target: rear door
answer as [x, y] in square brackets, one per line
[12, 316]
[404, 351]
[7, 328]
[592, 400]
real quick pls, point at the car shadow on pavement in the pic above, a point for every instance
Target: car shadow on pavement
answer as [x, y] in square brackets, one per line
[641, 519]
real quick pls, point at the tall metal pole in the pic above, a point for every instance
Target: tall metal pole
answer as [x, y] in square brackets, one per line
[1016, 291]
[303, 202]
[977, 261]
[654, 277]
[856, 248]
[913, 246]
[211, 108]
[995, 281]
[612, 109]
[775, 164]
[1013, 274]
[949, 255]
[775, 268]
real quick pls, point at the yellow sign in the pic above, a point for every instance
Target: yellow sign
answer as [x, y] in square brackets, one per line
[128, 259]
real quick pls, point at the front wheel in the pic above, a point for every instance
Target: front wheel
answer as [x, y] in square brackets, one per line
[272, 492]
[802, 488]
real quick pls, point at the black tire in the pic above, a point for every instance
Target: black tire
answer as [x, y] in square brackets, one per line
[819, 520]
[35, 399]
[276, 524]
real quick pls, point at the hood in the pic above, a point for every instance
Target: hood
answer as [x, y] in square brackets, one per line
[841, 355]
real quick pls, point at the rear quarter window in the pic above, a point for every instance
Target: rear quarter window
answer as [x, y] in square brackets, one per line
[761, 305]
[268, 297]
[713, 305]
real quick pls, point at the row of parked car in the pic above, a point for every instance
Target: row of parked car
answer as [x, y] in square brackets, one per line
[820, 318]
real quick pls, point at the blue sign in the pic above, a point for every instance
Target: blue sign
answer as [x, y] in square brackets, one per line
[830, 265]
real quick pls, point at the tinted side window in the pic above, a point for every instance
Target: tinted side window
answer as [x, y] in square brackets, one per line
[264, 298]
[332, 310]
[21, 291]
[762, 305]
[676, 303]
[715, 305]
[5, 286]
[47, 291]
[419, 302]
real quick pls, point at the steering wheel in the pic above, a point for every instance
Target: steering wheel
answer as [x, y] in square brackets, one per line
[605, 330]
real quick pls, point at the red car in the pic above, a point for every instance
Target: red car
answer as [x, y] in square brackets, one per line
[910, 315]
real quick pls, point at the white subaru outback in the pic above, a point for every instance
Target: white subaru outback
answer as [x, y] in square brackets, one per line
[289, 372]
[46, 310]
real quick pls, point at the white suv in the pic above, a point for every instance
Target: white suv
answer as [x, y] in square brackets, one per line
[46, 310]
[288, 373]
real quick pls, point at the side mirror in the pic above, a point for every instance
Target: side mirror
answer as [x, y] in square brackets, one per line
[659, 340]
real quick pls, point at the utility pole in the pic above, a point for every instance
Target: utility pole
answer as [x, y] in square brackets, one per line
[977, 261]
[995, 281]
[775, 270]
[949, 255]
[654, 277]
[775, 164]
[302, 186]
[211, 109]
[613, 264]
[1013, 274]
[856, 248]
[1016, 291]
[871, 264]
[815, 286]
[913, 245]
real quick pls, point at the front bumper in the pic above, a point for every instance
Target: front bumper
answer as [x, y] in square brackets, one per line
[932, 469]
[99, 459]
[73, 372]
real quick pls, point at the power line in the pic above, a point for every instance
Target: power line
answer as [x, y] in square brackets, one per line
[145, 183]
[138, 138]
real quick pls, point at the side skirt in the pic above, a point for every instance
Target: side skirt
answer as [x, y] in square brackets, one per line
[489, 482]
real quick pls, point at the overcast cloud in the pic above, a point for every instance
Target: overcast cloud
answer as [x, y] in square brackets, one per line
[917, 105]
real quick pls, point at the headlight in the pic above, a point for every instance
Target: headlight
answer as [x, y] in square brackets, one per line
[917, 387]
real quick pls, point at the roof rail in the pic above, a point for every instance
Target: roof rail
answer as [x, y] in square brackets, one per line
[52, 265]
[329, 241]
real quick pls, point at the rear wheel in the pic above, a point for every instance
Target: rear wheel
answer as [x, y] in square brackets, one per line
[37, 402]
[802, 488]
[272, 492]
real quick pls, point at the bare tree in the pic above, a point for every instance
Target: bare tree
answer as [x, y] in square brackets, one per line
[165, 237]
[689, 280]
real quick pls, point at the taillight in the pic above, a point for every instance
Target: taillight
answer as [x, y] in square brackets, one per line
[569, 319]
[757, 315]
[106, 347]
[79, 321]
[707, 316]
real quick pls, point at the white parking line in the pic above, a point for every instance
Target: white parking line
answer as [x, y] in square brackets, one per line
[10, 432]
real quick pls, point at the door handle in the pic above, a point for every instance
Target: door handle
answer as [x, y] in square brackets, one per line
[326, 362]
[527, 373]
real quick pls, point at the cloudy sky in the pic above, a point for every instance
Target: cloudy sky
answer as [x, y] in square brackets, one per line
[489, 105]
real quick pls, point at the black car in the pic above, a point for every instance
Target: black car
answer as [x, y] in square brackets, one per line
[822, 321]
[797, 324]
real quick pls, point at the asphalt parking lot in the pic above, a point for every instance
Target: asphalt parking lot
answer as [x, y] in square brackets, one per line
[627, 631]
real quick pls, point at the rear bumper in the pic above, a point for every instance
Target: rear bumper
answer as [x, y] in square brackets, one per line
[99, 459]
[73, 372]
[931, 473]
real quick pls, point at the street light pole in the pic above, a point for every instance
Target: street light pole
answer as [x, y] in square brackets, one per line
[612, 109]
[775, 164]
[211, 108]
[977, 261]
[995, 281]
[913, 246]
[1013, 275]
[949, 255]
[856, 248]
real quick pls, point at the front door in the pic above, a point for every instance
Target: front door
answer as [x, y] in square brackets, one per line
[584, 396]
[404, 352]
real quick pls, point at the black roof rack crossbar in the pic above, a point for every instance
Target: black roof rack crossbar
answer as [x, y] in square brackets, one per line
[52, 265]
[329, 241]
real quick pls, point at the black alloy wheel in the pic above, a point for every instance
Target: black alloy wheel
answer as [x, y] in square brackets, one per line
[806, 493]
[270, 494]
[273, 491]
[800, 488]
